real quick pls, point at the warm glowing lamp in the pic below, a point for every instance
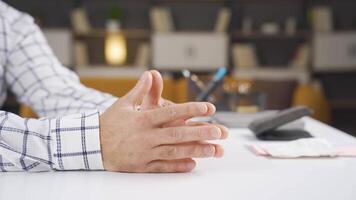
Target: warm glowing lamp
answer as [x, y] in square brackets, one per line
[115, 42]
[115, 48]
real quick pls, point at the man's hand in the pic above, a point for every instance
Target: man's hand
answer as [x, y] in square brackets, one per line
[154, 98]
[137, 141]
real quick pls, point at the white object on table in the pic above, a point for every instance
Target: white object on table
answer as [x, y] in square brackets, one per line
[239, 175]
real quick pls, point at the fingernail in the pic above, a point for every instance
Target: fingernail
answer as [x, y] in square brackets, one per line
[219, 152]
[209, 150]
[211, 108]
[190, 165]
[216, 133]
[202, 108]
[225, 131]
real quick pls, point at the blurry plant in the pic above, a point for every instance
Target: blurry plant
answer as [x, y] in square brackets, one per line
[115, 13]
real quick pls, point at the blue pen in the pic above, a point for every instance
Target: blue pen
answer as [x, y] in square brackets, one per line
[213, 84]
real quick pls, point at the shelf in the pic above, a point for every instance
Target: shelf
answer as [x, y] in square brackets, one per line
[343, 103]
[190, 1]
[129, 33]
[272, 73]
[110, 71]
[225, 1]
[146, 34]
[281, 35]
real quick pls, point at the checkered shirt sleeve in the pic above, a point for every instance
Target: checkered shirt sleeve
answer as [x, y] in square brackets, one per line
[67, 135]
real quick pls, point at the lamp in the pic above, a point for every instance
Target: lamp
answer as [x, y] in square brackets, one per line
[115, 48]
[115, 42]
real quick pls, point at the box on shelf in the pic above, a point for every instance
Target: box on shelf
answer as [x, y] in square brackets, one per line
[60, 41]
[194, 51]
[334, 51]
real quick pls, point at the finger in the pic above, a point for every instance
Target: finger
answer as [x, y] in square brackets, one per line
[219, 150]
[180, 151]
[174, 135]
[171, 113]
[165, 102]
[196, 123]
[224, 130]
[175, 123]
[181, 122]
[170, 166]
[141, 89]
[154, 96]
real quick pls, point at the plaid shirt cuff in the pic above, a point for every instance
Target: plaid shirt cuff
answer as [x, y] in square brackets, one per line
[76, 142]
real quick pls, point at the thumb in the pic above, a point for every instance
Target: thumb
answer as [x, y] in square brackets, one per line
[141, 89]
[155, 93]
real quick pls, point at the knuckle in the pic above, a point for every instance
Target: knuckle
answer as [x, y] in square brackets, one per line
[199, 108]
[214, 132]
[199, 151]
[200, 132]
[140, 118]
[177, 135]
[192, 152]
[191, 109]
[145, 118]
[170, 152]
[157, 168]
[171, 113]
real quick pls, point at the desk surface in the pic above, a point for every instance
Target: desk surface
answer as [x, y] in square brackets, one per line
[239, 175]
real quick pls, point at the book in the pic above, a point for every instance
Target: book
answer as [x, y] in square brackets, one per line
[80, 21]
[143, 55]
[322, 19]
[247, 25]
[81, 57]
[302, 57]
[161, 19]
[223, 20]
[291, 25]
[244, 55]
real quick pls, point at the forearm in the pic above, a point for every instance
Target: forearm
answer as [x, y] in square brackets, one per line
[67, 143]
[67, 99]
[37, 78]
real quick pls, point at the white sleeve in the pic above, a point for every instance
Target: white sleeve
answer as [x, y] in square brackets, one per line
[66, 143]
[36, 76]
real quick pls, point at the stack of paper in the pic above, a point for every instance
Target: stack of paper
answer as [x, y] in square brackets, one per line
[307, 147]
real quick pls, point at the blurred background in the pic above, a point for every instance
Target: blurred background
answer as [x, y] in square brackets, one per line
[279, 53]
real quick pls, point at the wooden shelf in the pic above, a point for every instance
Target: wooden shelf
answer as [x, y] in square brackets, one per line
[190, 1]
[343, 103]
[110, 71]
[129, 33]
[281, 35]
[273, 73]
[143, 33]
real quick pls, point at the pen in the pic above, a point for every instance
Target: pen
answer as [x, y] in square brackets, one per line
[213, 84]
[197, 83]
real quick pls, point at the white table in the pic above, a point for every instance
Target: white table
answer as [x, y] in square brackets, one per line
[240, 175]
